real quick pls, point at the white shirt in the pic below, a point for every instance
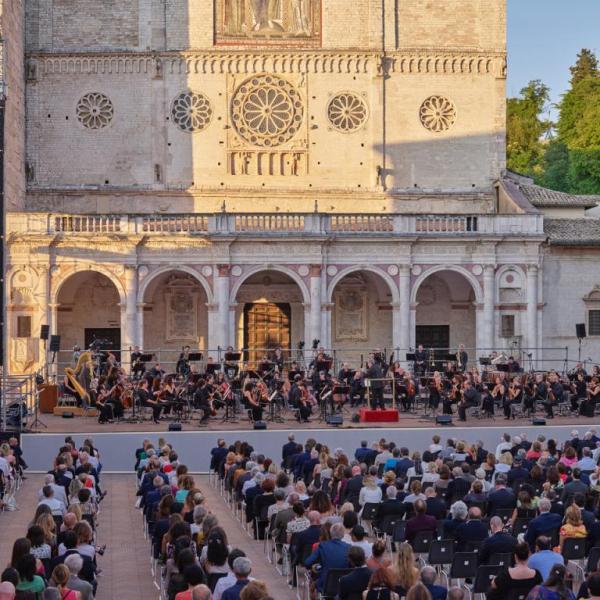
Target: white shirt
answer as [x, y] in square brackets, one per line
[433, 448]
[502, 447]
[56, 506]
[4, 467]
[224, 584]
[366, 546]
[59, 493]
[369, 495]
[587, 464]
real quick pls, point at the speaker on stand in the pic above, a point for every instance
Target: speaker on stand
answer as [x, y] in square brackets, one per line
[581, 335]
[44, 335]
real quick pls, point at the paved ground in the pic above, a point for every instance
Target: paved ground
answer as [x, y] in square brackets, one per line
[126, 565]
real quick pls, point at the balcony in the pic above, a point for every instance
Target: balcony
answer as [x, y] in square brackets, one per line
[275, 224]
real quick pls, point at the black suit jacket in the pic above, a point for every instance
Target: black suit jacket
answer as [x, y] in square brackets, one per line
[356, 581]
[88, 571]
[352, 490]
[499, 543]
[436, 507]
[471, 531]
[502, 498]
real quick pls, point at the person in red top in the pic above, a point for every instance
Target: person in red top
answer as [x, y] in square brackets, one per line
[420, 522]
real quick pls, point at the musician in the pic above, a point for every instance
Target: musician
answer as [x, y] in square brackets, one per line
[579, 391]
[542, 395]
[321, 380]
[357, 388]
[183, 362]
[500, 396]
[555, 394]
[138, 368]
[157, 371]
[345, 374]
[470, 397]
[487, 401]
[463, 358]
[420, 365]
[375, 375]
[203, 399]
[76, 354]
[436, 388]
[454, 395]
[588, 407]
[145, 398]
[304, 403]
[514, 396]
[409, 392]
[253, 396]
[513, 365]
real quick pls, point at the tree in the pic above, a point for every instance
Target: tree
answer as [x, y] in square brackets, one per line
[586, 66]
[526, 129]
[555, 167]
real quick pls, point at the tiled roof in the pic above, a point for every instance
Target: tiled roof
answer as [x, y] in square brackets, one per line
[542, 197]
[573, 232]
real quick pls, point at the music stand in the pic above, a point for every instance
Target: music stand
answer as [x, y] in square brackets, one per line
[485, 361]
[502, 368]
[292, 374]
[211, 368]
[324, 365]
[411, 357]
[195, 356]
[146, 357]
[233, 356]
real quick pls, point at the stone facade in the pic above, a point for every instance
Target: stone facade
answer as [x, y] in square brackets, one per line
[344, 160]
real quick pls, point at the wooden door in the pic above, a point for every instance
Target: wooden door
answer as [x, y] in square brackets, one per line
[436, 337]
[266, 326]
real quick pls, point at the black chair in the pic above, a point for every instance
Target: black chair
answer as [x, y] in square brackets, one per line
[370, 511]
[520, 526]
[441, 553]
[573, 551]
[504, 513]
[484, 578]
[332, 583]
[464, 566]
[399, 532]
[593, 559]
[212, 578]
[388, 524]
[422, 542]
[500, 559]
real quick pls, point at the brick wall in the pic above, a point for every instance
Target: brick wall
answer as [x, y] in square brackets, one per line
[11, 72]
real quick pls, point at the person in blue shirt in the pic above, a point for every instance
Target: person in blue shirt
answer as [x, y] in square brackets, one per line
[543, 559]
[428, 577]
[332, 554]
[242, 567]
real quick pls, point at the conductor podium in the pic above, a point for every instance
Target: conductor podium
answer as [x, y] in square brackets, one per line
[379, 416]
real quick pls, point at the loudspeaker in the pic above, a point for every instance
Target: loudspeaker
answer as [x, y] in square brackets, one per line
[55, 343]
[260, 425]
[44, 332]
[335, 420]
[174, 426]
[356, 418]
[68, 415]
[443, 420]
[580, 330]
[538, 421]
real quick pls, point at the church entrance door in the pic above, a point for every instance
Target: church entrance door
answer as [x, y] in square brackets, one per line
[436, 337]
[266, 326]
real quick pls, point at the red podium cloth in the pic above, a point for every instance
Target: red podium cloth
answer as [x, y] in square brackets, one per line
[378, 416]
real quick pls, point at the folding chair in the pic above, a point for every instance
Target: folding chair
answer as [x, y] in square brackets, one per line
[421, 544]
[573, 551]
[500, 559]
[464, 566]
[441, 554]
[593, 559]
[330, 589]
[369, 513]
[483, 580]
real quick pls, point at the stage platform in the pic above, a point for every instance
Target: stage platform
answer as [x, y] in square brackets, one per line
[117, 441]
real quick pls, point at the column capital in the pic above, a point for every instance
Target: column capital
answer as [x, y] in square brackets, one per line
[489, 269]
[223, 270]
[315, 270]
[404, 270]
[212, 307]
[533, 269]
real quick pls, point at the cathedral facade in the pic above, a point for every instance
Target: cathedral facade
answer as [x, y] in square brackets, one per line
[258, 173]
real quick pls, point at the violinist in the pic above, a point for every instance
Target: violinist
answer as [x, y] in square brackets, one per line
[436, 388]
[203, 399]
[253, 395]
[145, 398]
[514, 396]
[454, 396]
[357, 388]
[345, 374]
[304, 403]
[487, 402]
[321, 384]
[411, 392]
[102, 405]
[588, 406]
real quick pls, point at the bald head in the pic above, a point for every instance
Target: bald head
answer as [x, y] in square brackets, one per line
[201, 592]
[70, 520]
[474, 512]
[314, 517]
[496, 524]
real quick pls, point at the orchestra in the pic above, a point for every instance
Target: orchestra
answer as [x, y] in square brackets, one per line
[221, 389]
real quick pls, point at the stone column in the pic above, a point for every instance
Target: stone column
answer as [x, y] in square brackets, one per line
[532, 308]
[326, 334]
[403, 341]
[213, 329]
[140, 324]
[129, 320]
[315, 304]
[488, 338]
[222, 301]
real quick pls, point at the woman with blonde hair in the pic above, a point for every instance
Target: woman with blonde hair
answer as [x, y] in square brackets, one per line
[405, 569]
[573, 527]
[48, 526]
[430, 474]
[60, 578]
[370, 492]
[418, 592]
[416, 492]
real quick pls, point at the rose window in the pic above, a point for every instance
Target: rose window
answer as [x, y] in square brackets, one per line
[437, 114]
[267, 111]
[347, 112]
[191, 111]
[95, 111]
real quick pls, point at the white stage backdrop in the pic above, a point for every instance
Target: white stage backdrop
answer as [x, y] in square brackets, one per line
[117, 449]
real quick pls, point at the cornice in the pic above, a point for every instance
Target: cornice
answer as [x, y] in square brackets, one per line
[403, 61]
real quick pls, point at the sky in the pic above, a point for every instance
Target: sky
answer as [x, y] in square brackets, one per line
[544, 37]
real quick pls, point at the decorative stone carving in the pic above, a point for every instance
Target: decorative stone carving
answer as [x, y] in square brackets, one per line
[437, 114]
[268, 21]
[207, 270]
[477, 270]
[417, 270]
[236, 271]
[267, 111]
[95, 111]
[332, 270]
[303, 271]
[347, 112]
[351, 314]
[392, 270]
[191, 111]
[143, 271]
[272, 162]
[182, 309]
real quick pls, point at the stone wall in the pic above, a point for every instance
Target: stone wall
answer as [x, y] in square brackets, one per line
[12, 41]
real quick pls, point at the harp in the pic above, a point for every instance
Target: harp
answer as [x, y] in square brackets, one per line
[80, 376]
